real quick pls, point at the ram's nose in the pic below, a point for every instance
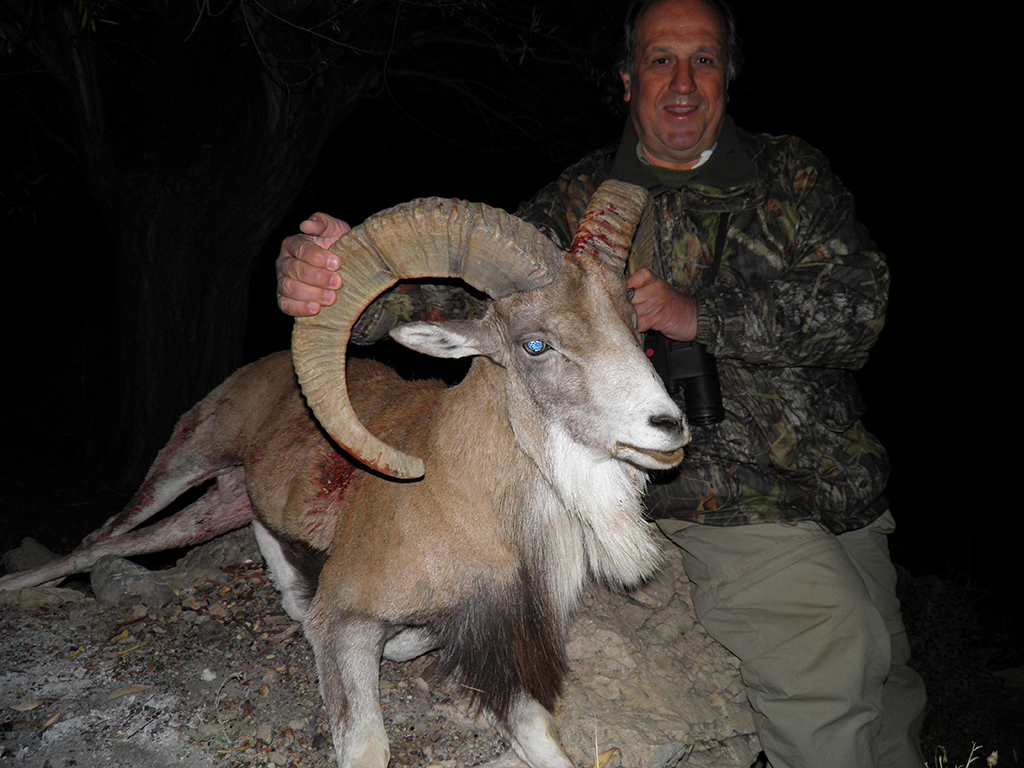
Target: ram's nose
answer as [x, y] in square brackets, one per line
[672, 424]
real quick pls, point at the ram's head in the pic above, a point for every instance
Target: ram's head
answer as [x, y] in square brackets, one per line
[560, 322]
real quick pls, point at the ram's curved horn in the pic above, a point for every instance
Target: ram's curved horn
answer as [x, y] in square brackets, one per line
[606, 228]
[486, 247]
[491, 250]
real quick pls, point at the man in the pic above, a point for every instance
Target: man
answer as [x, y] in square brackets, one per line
[778, 509]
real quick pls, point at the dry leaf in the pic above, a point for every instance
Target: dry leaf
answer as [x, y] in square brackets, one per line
[244, 745]
[26, 706]
[128, 690]
[118, 638]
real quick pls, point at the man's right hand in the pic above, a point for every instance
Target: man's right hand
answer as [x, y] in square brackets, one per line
[662, 307]
[307, 277]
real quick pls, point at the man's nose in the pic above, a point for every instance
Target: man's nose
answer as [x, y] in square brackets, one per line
[682, 80]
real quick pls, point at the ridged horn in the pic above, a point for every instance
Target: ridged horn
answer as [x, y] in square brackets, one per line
[606, 228]
[488, 248]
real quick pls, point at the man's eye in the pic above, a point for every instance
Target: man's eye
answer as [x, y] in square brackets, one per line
[535, 347]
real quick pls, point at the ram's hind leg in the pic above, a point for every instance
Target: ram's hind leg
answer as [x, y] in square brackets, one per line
[224, 507]
[348, 653]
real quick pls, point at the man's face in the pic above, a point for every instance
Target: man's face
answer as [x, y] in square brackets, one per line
[676, 91]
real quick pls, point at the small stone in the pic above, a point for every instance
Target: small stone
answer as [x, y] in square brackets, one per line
[189, 602]
[117, 581]
[208, 731]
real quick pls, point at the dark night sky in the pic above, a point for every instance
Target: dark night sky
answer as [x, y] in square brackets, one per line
[904, 122]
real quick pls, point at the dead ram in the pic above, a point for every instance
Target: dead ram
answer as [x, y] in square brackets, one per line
[535, 465]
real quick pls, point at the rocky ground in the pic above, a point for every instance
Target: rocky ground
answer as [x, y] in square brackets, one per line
[219, 676]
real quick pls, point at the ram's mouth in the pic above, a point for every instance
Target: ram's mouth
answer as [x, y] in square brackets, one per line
[662, 459]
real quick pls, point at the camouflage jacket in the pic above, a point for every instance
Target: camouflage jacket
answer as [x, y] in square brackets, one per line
[794, 305]
[796, 302]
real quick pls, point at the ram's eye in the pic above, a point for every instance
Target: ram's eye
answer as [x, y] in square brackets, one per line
[535, 347]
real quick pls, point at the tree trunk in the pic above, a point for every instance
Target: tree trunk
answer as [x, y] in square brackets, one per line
[189, 200]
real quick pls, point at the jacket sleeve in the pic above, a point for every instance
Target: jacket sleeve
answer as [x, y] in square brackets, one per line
[818, 292]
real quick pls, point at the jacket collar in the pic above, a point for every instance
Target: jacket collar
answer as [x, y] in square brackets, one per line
[727, 175]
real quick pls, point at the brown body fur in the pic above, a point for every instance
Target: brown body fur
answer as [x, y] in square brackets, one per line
[438, 523]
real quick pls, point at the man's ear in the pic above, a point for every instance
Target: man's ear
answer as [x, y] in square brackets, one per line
[450, 338]
[625, 84]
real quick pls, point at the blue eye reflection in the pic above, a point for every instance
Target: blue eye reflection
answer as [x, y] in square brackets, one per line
[535, 346]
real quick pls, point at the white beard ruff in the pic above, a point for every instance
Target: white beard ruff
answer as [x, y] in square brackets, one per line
[604, 494]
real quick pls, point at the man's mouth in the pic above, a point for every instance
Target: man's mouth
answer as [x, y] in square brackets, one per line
[680, 110]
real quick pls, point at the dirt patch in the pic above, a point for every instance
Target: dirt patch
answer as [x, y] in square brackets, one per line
[219, 676]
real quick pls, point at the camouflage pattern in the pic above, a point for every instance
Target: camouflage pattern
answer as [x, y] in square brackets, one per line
[795, 306]
[411, 301]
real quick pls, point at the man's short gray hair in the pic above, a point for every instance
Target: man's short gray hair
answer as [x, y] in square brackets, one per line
[730, 42]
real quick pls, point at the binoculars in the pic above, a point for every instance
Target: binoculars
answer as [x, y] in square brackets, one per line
[688, 365]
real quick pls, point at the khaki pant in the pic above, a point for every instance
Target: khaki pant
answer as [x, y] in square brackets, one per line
[815, 622]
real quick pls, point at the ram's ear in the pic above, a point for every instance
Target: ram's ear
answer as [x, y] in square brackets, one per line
[450, 338]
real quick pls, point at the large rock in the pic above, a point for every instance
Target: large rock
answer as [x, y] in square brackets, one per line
[29, 554]
[646, 679]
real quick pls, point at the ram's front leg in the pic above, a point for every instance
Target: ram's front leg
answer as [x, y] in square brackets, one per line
[531, 730]
[348, 653]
